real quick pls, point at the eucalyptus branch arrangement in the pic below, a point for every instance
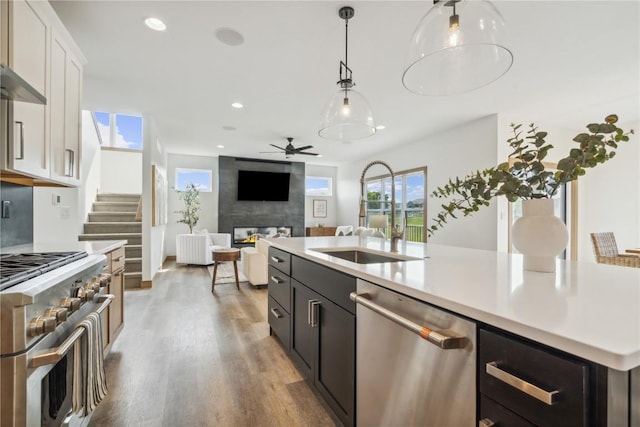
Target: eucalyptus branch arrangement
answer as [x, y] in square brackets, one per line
[191, 212]
[525, 176]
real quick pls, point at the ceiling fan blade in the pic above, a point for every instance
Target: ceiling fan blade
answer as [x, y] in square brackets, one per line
[269, 152]
[309, 154]
[306, 147]
[280, 148]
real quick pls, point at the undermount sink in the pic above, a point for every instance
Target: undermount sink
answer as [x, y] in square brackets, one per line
[360, 256]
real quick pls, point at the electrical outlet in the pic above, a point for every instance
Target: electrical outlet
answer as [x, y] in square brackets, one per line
[65, 212]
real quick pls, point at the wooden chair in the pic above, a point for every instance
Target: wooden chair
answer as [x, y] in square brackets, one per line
[606, 251]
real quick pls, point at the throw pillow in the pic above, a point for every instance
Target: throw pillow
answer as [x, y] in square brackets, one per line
[205, 232]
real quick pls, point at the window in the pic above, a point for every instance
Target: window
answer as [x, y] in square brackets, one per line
[119, 130]
[319, 186]
[201, 178]
[410, 209]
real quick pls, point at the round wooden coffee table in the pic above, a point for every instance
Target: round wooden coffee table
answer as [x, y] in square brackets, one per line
[229, 254]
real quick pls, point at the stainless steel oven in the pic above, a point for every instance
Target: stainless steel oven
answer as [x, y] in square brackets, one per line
[45, 300]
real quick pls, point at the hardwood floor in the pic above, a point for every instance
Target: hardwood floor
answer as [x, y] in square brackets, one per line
[187, 357]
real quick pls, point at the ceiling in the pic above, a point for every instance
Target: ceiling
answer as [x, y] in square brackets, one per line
[574, 62]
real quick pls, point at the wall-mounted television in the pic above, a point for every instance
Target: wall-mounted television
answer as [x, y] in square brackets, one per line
[263, 186]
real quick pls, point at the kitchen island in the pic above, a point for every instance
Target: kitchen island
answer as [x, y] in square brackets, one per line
[586, 310]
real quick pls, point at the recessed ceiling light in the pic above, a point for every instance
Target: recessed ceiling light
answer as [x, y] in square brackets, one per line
[155, 24]
[237, 105]
[380, 127]
[220, 146]
[229, 36]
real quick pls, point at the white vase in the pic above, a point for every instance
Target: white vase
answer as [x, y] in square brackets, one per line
[539, 235]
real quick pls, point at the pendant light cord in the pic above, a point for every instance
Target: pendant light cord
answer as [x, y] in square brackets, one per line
[346, 43]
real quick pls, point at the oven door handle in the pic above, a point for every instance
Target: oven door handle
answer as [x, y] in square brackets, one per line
[54, 356]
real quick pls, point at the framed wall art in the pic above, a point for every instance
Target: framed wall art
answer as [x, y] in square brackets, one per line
[319, 208]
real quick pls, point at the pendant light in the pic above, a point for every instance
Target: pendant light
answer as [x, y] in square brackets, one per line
[458, 46]
[347, 116]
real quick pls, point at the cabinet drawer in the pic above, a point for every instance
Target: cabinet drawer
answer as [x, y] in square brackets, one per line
[492, 412]
[107, 264]
[117, 259]
[507, 365]
[280, 260]
[279, 322]
[330, 283]
[280, 288]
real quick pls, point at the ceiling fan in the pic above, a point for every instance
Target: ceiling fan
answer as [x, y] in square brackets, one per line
[290, 150]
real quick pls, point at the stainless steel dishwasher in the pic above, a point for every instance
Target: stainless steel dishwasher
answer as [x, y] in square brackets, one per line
[415, 364]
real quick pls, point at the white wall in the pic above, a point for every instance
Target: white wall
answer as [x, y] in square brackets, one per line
[153, 238]
[120, 171]
[332, 218]
[455, 152]
[208, 201]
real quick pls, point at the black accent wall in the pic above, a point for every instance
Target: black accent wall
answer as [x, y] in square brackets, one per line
[17, 204]
[236, 213]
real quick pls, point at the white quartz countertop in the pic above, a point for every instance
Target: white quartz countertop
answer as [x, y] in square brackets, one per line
[90, 247]
[586, 309]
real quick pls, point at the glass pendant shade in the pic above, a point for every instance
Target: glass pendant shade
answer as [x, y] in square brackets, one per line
[347, 117]
[458, 46]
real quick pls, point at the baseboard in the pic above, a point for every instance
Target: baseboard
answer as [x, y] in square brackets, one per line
[170, 258]
[146, 284]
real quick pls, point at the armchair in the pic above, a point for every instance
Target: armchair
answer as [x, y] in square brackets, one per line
[197, 248]
[606, 251]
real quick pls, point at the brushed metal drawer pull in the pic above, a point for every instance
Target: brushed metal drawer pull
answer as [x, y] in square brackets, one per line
[21, 156]
[69, 164]
[276, 260]
[486, 422]
[548, 397]
[314, 312]
[120, 258]
[276, 280]
[434, 337]
[276, 313]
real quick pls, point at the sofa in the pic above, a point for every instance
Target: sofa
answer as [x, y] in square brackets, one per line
[197, 248]
[255, 266]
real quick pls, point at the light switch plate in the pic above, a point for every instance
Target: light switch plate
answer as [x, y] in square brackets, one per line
[55, 199]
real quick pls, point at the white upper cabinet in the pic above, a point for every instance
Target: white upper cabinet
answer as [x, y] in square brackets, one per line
[27, 35]
[65, 112]
[43, 141]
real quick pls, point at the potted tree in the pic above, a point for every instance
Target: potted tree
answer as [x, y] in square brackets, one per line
[191, 212]
[526, 177]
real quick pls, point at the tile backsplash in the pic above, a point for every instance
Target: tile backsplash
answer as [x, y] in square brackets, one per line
[16, 222]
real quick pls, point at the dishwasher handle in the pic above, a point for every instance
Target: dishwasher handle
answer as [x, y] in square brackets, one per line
[440, 339]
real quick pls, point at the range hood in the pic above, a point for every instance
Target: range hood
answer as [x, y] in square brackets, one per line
[13, 87]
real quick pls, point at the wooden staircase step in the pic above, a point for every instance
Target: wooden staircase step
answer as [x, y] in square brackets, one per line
[112, 217]
[131, 238]
[112, 227]
[133, 251]
[132, 280]
[115, 206]
[117, 197]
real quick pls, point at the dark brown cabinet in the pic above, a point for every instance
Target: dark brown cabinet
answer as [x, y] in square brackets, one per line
[522, 384]
[320, 330]
[279, 302]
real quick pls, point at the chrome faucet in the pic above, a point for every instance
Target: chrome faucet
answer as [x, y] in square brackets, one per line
[396, 232]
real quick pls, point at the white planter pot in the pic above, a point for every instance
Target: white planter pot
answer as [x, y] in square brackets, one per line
[539, 235]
